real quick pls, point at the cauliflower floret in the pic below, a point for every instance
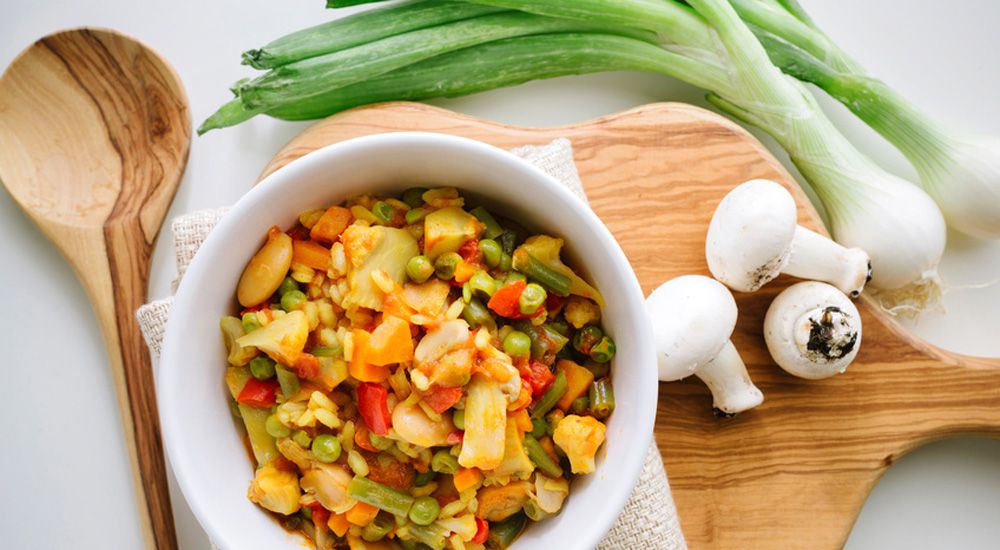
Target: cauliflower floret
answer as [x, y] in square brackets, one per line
[374, 247]
[274, 489]
[581, 311]
[579, 437]
[444, 356]
[282, 339]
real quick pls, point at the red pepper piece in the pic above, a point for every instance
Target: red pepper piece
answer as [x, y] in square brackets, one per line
[361, 437]
[259, 394]
[374, 407]
[504, 300]
[441, 399]
[482, 531]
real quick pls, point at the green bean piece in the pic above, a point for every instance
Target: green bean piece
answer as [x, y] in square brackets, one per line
[326, 448]
[458, 419]
[444, 266]
[545, 342]
[599, 370]
[493, 229]
[415, 215]
[517, 345]
[602, 398]
[477, 315]
[433, 535]
[551, 396]
[383, 211]
[533, 511]
[504, 533]
[491, 252]
[586, 337]
[466, 292]
[250, 322]
[302, 439]
[419, 269]
[554, 417]
[483, 283]
[580, 405]
[336, 352]
[414, 196]
[381, 496]
[512, 277]
[288, 381]
[551, 279]
[293, 300]
[288, 285]
[423, 478]
[444, 463]
[539, 427]
[532, 298]
[560, 327]
[506, 262]
[540, 458]
[262, 367]
[378, 528]
[508, 242]
[424, 510]
[603, 351]
[275, 428]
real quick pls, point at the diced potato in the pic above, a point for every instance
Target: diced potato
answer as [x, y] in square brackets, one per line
[580, 437]
[446, 230]
[485, 424]
[498, 503]
[578, 381]
[374, 247]
[276, 490]
[282, 339]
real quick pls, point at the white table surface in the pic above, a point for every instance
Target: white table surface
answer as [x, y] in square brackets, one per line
[63, 472]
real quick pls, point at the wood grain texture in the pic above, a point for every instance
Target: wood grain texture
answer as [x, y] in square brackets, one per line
[794, 472]
[94, 137]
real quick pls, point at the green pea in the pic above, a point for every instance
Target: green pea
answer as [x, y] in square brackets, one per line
[419, 269]
[444, 463]
[424, 510]
[302, 438]
[415, 215]
[423, 478]
[414, 196]
[458, 419]
[288, 285]
[250, 322]
[492, 253]
[517, 344]
[378, 528]
[444, 266]
[383, 211]
[293, 300]
[603, 351]
[275, 428]
[326, 448]
[262, 367]
[586, 338]
[532, 297]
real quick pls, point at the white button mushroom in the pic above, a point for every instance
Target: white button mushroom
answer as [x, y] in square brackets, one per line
[693, 317]
[812, 330]
[754, 236]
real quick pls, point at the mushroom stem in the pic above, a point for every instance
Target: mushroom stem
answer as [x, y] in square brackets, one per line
[818, 258]
[727, 377]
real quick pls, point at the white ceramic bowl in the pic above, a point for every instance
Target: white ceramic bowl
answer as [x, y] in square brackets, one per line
[202, 442]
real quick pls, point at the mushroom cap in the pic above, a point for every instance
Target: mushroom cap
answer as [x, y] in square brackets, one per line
[812, 330]
[751, 234]
[693, 317]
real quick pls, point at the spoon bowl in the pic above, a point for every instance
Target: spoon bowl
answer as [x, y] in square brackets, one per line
[94, 137]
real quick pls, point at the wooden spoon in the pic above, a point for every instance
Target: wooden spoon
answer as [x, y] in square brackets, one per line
[94, 136]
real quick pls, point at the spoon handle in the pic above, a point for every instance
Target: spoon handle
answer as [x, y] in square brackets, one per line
[115, 299]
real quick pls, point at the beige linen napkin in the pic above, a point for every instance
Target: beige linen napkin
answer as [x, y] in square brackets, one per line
[649, 519]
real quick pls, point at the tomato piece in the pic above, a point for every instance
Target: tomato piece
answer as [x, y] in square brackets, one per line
[374, 407]
[320, 515]
[538, 376]
[482, 531]
[260, 394]
[469, 251]
[441, 399]
[306, 365]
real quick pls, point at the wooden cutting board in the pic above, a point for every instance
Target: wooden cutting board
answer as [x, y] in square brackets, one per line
[794, 472]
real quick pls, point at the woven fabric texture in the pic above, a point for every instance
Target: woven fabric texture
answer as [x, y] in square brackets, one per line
[649, 519]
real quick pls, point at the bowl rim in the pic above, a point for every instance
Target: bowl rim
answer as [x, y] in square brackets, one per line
[167, 390]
